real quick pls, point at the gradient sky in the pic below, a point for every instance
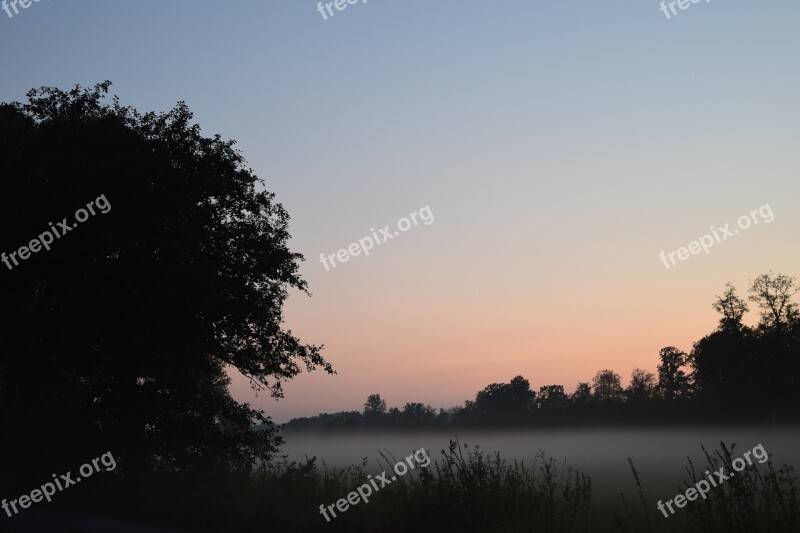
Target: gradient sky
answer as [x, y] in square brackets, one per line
[560, 145]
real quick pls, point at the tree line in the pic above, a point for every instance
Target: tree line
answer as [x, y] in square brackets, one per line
[735, 373]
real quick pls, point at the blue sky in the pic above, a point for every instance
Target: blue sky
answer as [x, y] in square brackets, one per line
[561, 146]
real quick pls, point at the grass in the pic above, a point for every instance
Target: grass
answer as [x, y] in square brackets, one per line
[464, 489]
[761, 498]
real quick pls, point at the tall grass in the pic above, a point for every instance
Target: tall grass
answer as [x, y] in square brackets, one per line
[471, 490]
[756, 499]
[464, 489]
[761, 498]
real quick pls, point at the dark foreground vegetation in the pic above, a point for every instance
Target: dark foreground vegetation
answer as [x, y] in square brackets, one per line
[757, 499]
[463, 490]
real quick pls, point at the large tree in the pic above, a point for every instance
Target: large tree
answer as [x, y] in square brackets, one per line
[119, 336]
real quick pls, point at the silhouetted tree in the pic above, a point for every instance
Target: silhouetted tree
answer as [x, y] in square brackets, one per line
[732, 308]
[607, 386]
[118, 337]
[418, 415]
[506, 397]
[672, 381]
[552, 397]
[375, 405]
[467, 415]
[778, 338]
[374, 411]
[722, 362]
[582, 394]
[773, 295]
[642, 387]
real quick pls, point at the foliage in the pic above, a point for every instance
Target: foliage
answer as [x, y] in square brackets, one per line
[607, 386]
[673, 383]
[119, 337]
[464, 490]
[761, 498]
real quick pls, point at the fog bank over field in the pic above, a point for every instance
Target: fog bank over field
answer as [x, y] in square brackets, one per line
[660, 455]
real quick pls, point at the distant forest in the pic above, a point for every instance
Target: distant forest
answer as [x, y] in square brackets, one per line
[736, 373]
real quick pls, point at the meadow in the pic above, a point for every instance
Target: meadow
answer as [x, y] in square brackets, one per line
[463, 489]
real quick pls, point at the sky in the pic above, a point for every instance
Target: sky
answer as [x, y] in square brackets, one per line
[560, 147]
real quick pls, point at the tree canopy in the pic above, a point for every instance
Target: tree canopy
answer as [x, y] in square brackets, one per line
[121, 332]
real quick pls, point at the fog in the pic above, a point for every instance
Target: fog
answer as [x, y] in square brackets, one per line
[660, 455]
